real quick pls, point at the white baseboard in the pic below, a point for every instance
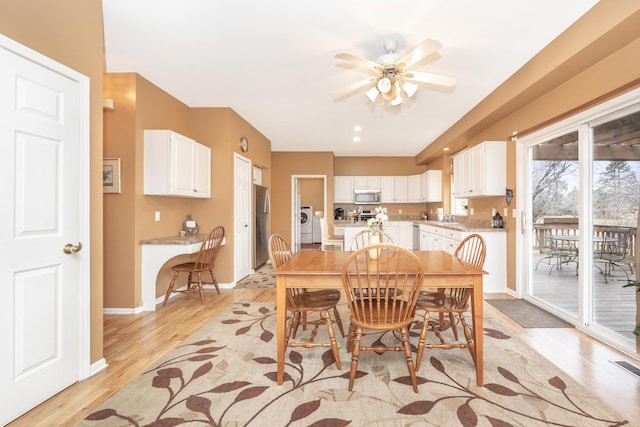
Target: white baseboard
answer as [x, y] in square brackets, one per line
[98, 366]
[160, 300]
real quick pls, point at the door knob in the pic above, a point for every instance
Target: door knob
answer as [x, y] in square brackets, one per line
[72, 249]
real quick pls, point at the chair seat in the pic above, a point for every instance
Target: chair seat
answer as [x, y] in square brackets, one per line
[314, 301]
[439, 301]
[188, 266]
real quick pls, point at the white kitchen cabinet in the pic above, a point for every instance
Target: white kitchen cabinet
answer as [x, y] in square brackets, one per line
[343, 189]
[175, 165]
[405, 234]
[414, 194]
[373, 182]
[481, 170]
[394, 189]
[431, 186]
[349, 232]
[393, 229]
[434, 238]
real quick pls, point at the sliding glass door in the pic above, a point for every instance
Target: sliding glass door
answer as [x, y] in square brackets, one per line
[614, 209]
[581, 187]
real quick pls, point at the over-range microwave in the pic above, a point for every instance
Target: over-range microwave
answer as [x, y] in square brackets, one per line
[366, 196]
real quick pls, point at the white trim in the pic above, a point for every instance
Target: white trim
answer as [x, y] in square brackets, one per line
[98, 366]
[84, 296]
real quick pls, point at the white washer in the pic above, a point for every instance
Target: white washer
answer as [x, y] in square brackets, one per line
[306, 224]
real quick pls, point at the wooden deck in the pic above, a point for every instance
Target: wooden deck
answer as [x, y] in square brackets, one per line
[614, 306]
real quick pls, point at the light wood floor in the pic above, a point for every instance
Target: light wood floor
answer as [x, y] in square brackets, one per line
[134, 342]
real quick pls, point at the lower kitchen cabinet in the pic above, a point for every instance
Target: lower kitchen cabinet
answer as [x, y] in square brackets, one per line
[434, 238]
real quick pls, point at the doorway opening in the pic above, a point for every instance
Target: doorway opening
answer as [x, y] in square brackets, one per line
[308, 205]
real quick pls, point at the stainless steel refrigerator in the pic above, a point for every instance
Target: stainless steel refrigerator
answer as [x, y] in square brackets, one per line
[261, 225]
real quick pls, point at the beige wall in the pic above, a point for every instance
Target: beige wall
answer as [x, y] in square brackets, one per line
[286, 164]
[594, 60]
[312, 193]
[129, 217]
[70, 32]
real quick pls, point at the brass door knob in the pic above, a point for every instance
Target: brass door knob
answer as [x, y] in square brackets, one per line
[71, 248]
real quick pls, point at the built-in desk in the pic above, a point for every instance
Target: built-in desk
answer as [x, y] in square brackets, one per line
[155, 253]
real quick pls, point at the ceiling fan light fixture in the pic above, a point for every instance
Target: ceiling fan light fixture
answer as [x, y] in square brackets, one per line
[384, 85]
[372, 93]
[409, 88]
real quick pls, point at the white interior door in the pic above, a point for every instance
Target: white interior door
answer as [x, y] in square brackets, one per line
[242, 216]
[43, 140]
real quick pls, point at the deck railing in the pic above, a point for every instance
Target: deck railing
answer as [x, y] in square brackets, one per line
[623, 236]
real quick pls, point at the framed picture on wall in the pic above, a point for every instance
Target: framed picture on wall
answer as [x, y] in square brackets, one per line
[111, 176]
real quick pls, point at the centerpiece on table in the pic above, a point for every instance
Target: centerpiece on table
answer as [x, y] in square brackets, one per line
[375, 227]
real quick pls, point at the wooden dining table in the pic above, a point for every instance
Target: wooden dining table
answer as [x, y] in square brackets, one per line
[323, 270]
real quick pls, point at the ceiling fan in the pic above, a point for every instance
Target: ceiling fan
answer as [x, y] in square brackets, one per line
[392, 73]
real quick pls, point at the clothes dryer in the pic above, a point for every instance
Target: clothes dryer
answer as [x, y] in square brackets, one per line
[306, 224]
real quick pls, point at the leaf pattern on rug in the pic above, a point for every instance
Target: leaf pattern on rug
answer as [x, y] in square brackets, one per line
[226, 375]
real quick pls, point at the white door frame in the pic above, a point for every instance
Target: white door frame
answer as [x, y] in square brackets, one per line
[295, 205]
[84, 368]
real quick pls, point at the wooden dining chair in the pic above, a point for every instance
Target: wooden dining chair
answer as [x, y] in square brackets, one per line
[300, 302]
[205, 262]
[328, 239]
[371, 286]
[451, 301]
[361, 239]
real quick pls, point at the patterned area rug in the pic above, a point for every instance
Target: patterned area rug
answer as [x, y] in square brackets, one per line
[225, 375]
[262, 278]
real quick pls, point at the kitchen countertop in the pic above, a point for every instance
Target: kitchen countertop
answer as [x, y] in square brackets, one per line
[464, 225]
[175, 240]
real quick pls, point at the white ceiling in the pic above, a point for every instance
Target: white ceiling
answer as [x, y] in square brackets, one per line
[273, 61]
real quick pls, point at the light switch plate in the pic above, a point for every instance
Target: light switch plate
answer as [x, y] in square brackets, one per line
[157, 216]
[505, 212]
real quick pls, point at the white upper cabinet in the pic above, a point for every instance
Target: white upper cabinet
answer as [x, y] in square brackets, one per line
[373, 182]
[175, 165]
[431, 186]
[414, 193]
[481, 170]
[394, 189]
[343, 189]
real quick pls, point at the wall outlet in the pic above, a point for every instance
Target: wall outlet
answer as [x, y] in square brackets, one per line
[157, 216]
[400, 211]
[513, 213]
[493, 213]
[505, 212]
[471, 211]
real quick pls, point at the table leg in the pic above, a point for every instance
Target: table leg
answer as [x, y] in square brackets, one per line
[478, 326]
[281, 315]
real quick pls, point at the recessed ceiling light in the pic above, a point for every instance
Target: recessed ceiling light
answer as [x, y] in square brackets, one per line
[356, 139]
[446, 148]
[357, 128]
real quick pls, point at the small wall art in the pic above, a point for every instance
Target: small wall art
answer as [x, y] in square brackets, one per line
[111, 176]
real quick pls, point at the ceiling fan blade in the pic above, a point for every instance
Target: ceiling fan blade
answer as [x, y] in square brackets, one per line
[354, 86]
[357, 60]
[419, 52]
[436, 79]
